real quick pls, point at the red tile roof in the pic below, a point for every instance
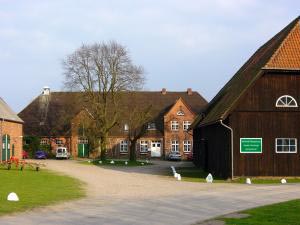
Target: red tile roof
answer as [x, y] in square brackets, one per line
[287, 56]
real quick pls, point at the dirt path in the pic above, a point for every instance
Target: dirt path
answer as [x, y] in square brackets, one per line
[135, 196]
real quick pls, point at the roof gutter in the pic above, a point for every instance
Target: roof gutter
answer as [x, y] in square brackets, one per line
[231, 134]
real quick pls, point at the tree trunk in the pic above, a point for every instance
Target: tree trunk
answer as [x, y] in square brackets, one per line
[132, 153]
[103, 147]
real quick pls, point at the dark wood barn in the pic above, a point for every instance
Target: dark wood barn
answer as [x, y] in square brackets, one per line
[252, 126]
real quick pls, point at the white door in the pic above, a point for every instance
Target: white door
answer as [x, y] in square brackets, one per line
[155, 148]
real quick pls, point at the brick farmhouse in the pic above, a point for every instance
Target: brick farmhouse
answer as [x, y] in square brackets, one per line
[56, 117]
[11, 131]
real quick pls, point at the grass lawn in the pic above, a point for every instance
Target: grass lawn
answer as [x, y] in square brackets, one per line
[36, 189]
[194, 174]
[286, 213]
[107, 162]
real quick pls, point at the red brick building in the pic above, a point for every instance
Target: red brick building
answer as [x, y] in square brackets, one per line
[11, 131]
[58, 121]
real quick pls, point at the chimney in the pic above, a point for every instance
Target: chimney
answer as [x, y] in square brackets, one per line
[189, 91]
[46, 90]
[164, 91]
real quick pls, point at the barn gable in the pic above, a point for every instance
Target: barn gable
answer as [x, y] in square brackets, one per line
[280, 52]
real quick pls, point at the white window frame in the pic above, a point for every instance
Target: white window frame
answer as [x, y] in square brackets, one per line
[289, 152]
[186, 125]
[174, 125]
[286, 105]
[126, 127]
[187, 144]
[151, 126]
[124, 146]
[58, 141]
[83, 141]
[143, 146]
[175, 146]
[44, 142]
[180, 113]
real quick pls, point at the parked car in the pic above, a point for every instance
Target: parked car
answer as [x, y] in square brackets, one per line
[174, 156]
[40, 155]
[25, 155]
[62, 153]
[189, 157]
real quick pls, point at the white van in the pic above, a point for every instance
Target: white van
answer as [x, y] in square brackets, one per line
[62, 153]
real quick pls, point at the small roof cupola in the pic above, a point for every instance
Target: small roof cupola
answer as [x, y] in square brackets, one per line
[46, 90]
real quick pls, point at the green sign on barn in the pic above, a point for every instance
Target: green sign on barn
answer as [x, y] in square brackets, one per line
[250, 145]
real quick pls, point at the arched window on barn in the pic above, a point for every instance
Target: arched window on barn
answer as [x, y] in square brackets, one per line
[286, 101]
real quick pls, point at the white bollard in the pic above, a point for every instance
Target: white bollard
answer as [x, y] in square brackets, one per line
[178, 177]
[209, 178]
[283, 181]
[13, 197]
[248, 181]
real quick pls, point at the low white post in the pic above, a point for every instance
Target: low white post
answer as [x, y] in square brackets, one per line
[13, 197]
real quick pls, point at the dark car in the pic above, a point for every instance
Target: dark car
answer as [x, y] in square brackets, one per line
[25, 155]
[190, 157]
[174, 156]
[40, 155]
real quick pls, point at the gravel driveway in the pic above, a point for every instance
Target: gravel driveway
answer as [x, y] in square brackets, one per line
[133, 195]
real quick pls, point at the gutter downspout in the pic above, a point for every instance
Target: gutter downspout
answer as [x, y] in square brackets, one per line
[231, 133]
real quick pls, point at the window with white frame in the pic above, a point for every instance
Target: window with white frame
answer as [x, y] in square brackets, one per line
[151, 126]
[126, 127]
[286, 101]
[286, 145]
[44, 142]
[187, 146]
[83, 141]
[174, 125]
[186, 125]
[58, 141]
[124, 146]
[143, 146]
[174, 146]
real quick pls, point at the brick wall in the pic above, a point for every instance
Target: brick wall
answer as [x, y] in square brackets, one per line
[15, 131]
[65, 142]
[113, 148]
[180, 112]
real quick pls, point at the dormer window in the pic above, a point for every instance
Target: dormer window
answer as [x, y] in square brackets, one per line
[126, 127]
[151, 126]
[286, 101]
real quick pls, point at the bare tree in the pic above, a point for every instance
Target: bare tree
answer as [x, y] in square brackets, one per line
[137, 127]
[102, 71]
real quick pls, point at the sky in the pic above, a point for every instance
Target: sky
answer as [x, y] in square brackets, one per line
[180, 43]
